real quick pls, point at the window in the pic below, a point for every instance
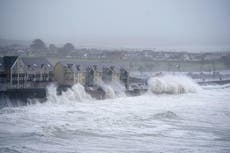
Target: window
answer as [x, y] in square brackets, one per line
[69, 65]
[44, 77]
[21, 74]
[14, 75]
[30, 77]
[37, 75]
[21, 81]
[14, 82]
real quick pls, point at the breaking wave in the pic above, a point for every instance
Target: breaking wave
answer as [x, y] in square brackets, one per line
[113, 89]
[170, 84]
[75, 94]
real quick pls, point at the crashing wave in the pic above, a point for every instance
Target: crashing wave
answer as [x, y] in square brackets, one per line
[75, 94]
[171, 84]
[113, 89]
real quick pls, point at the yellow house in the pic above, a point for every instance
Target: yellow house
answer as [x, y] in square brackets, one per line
[69, 73]
[87, 74]
[110, 73]
[97, 73]
[116, 73]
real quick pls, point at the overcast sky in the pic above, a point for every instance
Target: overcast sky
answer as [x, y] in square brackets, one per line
[118, 23]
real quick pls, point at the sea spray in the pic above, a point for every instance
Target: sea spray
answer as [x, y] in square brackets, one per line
[109, 92]
[75, 94]
[172, 84]
[196, 122]
[113, 89]
[119, 88]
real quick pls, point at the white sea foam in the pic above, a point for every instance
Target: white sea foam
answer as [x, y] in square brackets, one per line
[75, 94]
[171, 84]
[197, 122]
[215, 86]
[113, 89]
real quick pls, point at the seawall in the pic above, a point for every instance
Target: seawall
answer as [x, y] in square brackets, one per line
[22, 95]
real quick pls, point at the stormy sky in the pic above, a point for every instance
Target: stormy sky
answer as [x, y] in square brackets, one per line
[119, 23]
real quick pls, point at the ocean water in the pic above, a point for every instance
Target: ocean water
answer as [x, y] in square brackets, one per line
[174, 116]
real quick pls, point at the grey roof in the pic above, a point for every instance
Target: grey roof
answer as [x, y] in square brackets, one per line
[8, 61]
[82, 65]
[36, 62]
[86, 64]
[74, 65]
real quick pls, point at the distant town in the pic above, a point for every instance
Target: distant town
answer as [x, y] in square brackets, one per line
[136, 60]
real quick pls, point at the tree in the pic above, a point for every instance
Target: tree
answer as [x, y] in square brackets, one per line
[38, 44]
[52, 48]
[68, 47]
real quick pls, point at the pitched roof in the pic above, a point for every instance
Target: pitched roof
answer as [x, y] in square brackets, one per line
[36, 62]
[76, 66]
[8, 61]
[73, 65]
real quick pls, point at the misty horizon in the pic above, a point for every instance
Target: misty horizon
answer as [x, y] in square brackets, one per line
[184, 25]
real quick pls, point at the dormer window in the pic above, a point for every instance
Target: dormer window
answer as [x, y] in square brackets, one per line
[69, 65]
[78, 67]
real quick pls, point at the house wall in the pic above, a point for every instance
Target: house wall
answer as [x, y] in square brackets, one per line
[82, 76]
[18, 75]
[68, 76]
[79, 77]
[115, 76]
[24, 76]
[97, 76]
[65, 76]
[59, 73]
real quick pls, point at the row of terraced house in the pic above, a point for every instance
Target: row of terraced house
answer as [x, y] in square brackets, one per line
[35, 72]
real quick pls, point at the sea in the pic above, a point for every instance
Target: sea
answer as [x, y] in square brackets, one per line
[175, 115]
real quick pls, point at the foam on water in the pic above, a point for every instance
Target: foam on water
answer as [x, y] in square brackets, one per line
[171, 84]
[166, 115]
[211, 87]
[197, 122]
